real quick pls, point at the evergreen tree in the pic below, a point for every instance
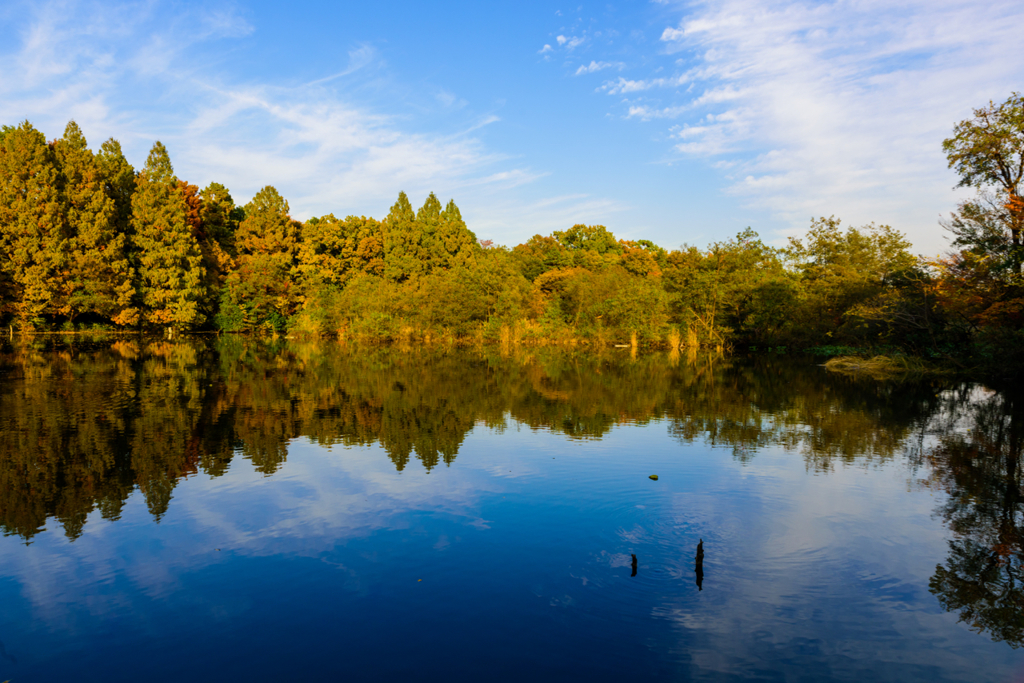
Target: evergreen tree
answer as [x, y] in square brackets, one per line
[220, 216]
[402, 240]
[119, 180]
[171, 273]
[431, 251]
[99, 277]
[268, 246]
[33, 229]
[458, 243]
[219, 219]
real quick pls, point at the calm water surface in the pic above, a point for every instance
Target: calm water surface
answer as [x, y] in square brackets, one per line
[236, 510]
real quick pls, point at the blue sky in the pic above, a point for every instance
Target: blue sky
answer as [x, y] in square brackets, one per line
[680, 122]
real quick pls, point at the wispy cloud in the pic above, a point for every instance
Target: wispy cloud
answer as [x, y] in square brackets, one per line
[570, 42]
[623, 86]
[833, 108]
[594, 67]
[647, 113]
[357, 59]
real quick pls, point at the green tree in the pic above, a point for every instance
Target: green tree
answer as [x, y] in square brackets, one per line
[403, 241]
[119, 180]
[988, 151]
[265, 285]
[220, 216]
[172, 277]
[100, 279]
[840, 270]
[595, 238]
[455, 243]
[540, 254]
[215, 227]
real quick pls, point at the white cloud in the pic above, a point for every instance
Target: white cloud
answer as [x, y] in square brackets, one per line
[546, 49]
[672, 34]
[647, 113]
[570, 43]
[624, 86]
[598, 66]
[839, 108]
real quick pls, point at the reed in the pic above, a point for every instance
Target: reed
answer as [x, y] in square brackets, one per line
[691, 338]
[674, 338]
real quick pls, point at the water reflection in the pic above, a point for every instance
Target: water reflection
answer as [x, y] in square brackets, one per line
[83, 426]
[977, 463]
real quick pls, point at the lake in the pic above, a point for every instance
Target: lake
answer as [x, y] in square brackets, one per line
[227, 509]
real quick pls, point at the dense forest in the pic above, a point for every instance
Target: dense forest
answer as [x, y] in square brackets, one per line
[89, 242]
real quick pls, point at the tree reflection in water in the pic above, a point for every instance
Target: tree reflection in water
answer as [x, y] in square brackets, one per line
[979, 468]
[82, 426]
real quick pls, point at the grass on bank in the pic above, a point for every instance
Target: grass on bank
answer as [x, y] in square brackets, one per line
[881, 367]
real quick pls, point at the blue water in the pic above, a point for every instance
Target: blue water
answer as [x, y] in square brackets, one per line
[514, 562]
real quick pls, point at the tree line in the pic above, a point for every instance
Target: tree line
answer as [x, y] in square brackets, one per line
[90, 242]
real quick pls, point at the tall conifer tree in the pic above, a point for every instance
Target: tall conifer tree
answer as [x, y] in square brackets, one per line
[402, 240]
[220, 218]
[33, 229]
[459, 243]
[267, 242]
[99, 277]
[119, 180]
[171, 273]
[428, 220]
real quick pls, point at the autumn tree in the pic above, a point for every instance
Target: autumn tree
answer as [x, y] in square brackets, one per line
[333, 250]
[171, 272]
[99, 278]
[264, 286]
[34, 235]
